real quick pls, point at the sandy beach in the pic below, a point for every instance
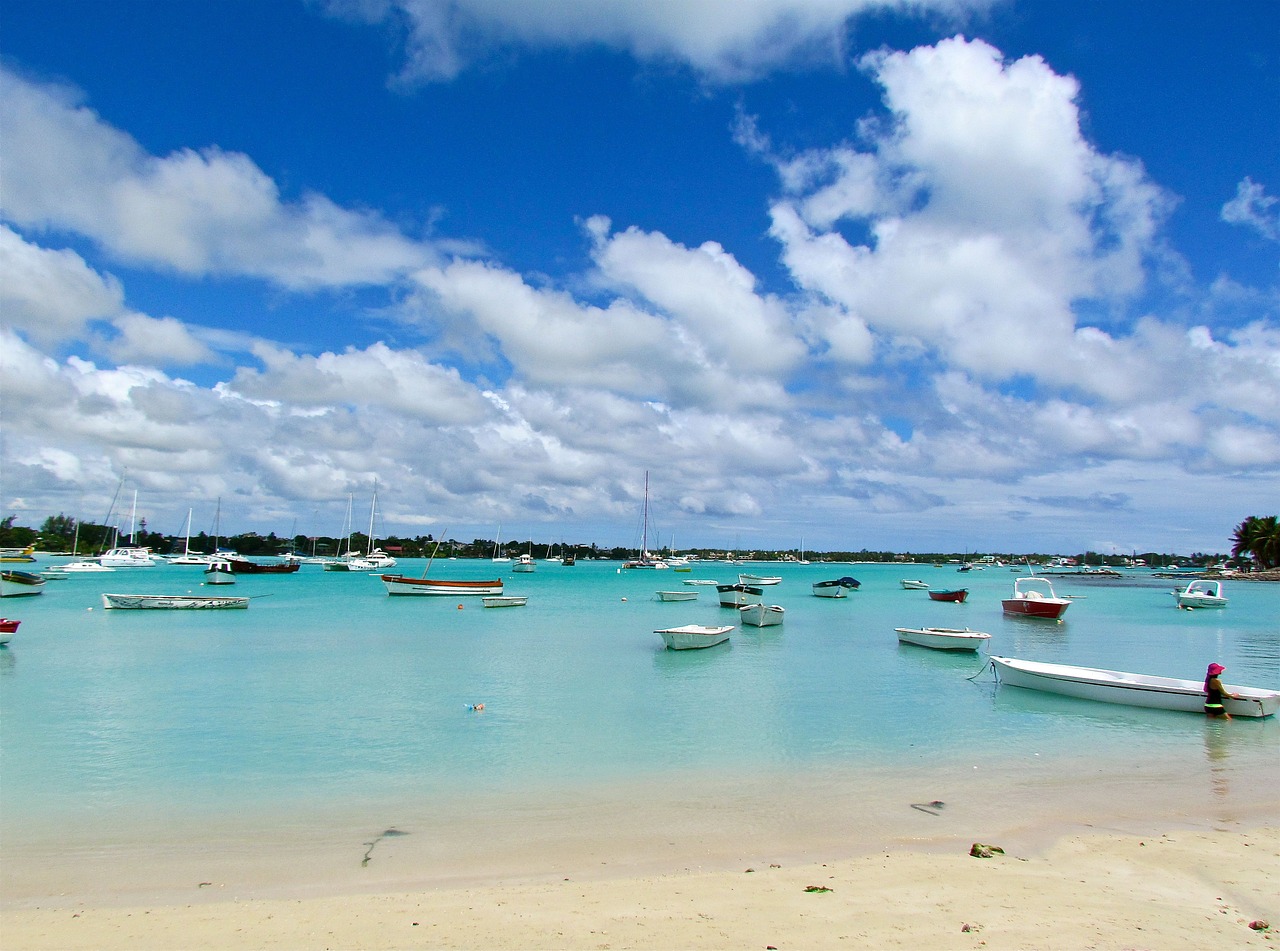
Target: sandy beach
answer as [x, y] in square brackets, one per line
[1187, 889]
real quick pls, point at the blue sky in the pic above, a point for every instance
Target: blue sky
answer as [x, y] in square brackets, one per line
[947, 275]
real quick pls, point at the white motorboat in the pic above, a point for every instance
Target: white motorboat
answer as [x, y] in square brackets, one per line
[506, 601]
[943, 638]
[220, 571]
[84, 567]
[399, 584]
[170, 602]
[1135, 690]
[736, 595]
[912, 584]
[702, 582]
[694, 636]
[761, 615]
[1035, 597]
[525, 563]
[128, 557]
[1201, 594]
[677, 595]
[758, 580]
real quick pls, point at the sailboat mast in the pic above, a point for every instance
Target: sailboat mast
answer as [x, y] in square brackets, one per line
[644, 531]
[373, 507]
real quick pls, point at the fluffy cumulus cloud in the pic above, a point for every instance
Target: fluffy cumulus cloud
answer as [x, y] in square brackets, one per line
[52, 294]
[723, 40]
[988, 215]
[198, 212]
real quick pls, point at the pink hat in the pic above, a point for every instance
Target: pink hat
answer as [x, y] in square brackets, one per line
[1215, 669]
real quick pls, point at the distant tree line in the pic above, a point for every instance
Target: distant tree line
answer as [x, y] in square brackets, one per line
[1257, 539]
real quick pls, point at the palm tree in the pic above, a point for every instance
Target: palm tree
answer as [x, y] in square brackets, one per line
[1260, 539]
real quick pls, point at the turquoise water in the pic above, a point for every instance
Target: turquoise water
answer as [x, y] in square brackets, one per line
[327, 691]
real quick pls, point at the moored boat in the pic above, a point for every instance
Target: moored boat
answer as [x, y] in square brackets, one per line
[170, 602]
[20, 584]
[943, 638]
[1135, 690]
[677, 595]
[762, 615]
[736, 595]
[8, 627]
[1201, 594]
[958, 595]
[506, 601]
[525, 563]
[220, 571]
[127, 557]
[399, 584]
[838, 588]
[1035, 597]
[759, 580]
[693, 636]
[912, 584]
[243, 566]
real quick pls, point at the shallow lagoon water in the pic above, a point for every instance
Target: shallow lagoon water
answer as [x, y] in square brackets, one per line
[327, 695]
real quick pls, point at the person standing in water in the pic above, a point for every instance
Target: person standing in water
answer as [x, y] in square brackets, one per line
[1215, 693]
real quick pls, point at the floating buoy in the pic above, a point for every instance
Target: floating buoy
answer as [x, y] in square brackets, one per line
[624, 599]
[459, 607]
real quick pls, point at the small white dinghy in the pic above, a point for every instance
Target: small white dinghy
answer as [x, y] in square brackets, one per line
[677, 596]
[912, 584]
[505, 601]
[943, 638]
[693, 636]
[762, 615]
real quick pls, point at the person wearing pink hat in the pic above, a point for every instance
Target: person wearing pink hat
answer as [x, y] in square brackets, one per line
[1215, 693]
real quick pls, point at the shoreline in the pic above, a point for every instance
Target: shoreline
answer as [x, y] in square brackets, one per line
[1106, 854]
[1090, 889]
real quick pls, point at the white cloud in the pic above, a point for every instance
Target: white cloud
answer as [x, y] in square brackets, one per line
[196, 212]
[163, 341]
[51, 295]
[723, 40]
[989, 217]
[1255, 209]
[373, 379]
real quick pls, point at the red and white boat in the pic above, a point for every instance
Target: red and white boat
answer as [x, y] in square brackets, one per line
[8, 627]
[1035, 597]
[399, 584]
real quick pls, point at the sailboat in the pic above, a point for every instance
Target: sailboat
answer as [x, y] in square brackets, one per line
[128, 556]
[353, 560]
[219, 570]
[498, 557]
[646, 560]
[186, 558]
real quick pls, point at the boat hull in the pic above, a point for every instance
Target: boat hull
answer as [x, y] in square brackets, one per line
[242, 567]
[400, 585]
[693, 637]
[506, 601]
[164, 602]
[677, 596]
[914, 585]
[20, 584]
[1134, 690]
[762, 615]
[957, 597]
[942, 638]
[1049, 609]
[736, 595]
[829, 589]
